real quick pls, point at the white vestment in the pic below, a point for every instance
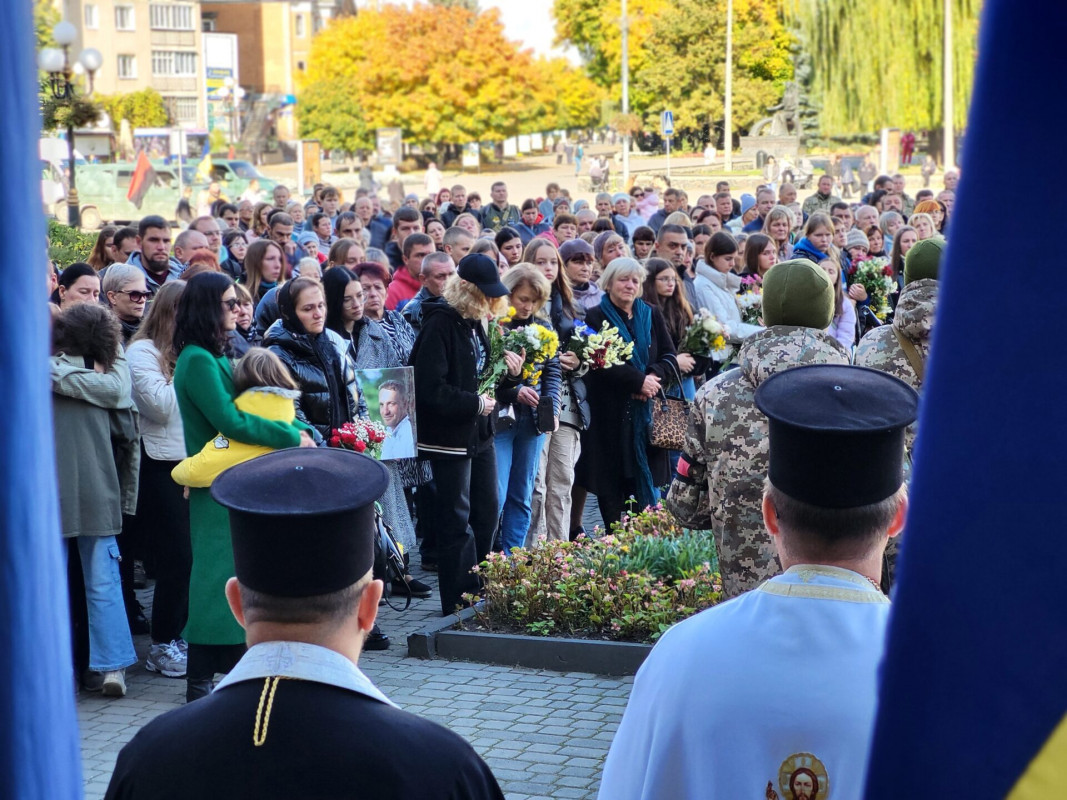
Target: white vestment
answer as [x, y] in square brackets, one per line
[770, 696]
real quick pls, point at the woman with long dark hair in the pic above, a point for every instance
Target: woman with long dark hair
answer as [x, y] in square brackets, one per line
[203, 383]
[237, 247]
[663, 290]
[264, 268]
[104, 254]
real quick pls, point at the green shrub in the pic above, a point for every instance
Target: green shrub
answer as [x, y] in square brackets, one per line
[630, 585]
[67, 244]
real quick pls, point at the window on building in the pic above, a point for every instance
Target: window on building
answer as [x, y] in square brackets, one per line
[208, 24]
[92, 16]
[179, 64]
[171, 17]
[127, 67]
[185, 109]
[124, 20]
[300, 65]
[300, 32]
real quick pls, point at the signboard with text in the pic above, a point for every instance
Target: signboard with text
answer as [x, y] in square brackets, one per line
[390, 146]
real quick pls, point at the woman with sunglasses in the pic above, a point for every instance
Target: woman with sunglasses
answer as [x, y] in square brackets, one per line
[127, 295]
[203, 384]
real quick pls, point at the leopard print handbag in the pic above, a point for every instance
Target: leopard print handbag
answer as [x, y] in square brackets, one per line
[670, 418]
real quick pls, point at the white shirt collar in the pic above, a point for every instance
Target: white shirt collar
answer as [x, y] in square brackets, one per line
[302, 661]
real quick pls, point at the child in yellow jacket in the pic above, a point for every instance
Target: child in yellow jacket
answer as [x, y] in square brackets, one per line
[266, 390]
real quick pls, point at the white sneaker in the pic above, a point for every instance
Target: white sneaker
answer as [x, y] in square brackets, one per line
[115, 683]
[167, 659]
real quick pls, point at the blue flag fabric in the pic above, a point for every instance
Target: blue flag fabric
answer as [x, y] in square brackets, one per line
[975, 678]
[39, 755]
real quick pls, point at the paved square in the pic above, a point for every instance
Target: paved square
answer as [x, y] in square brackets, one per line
[545, 734]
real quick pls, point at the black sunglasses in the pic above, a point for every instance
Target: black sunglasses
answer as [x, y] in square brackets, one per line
[136, 296]
[232, 303]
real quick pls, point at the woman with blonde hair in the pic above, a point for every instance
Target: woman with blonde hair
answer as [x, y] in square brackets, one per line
[779, 226]
[345, 253]
[936, 212]
[527, 411]
[455, 429]
[924, 225]
[551, 501]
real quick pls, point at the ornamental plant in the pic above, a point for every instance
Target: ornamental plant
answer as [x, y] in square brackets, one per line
[363, 436]
[629, 585]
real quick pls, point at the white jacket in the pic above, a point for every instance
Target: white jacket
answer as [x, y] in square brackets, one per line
[717, 292]
[161, 423]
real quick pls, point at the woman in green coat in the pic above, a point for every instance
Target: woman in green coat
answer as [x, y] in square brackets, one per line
[203, 383]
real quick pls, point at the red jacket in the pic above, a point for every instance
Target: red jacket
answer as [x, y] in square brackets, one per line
[401, 289]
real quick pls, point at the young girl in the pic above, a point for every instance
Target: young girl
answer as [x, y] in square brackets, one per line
[264, 389]
[843, 327]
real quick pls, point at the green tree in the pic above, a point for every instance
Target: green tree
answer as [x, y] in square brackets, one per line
[45, 17]
[593, 28]
[688, 68]
[442, 74]
[143, 109]
[879, 64]
[470, 5]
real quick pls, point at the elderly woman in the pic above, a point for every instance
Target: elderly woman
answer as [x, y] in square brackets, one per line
[375, 280]
[616, 460]
[455, 431]
[127, 295]
[520, 422]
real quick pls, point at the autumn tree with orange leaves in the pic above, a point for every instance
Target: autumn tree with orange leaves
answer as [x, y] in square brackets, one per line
[444, 75]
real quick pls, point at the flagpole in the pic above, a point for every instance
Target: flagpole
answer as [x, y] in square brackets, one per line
[947, 91]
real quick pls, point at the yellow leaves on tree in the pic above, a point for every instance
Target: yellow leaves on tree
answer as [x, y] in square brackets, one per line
[442, 74]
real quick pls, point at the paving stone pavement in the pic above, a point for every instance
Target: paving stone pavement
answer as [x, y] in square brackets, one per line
[544, 734]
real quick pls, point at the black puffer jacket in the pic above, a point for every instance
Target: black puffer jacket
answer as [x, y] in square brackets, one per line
[315, 364]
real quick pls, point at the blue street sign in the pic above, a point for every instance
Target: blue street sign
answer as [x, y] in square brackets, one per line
[666, 123]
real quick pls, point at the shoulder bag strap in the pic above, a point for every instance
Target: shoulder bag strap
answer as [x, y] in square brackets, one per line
[911, 353]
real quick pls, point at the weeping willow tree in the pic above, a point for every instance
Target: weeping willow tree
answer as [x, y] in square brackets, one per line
[879, 64]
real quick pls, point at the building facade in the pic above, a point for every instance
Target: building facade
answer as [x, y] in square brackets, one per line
[145, 43]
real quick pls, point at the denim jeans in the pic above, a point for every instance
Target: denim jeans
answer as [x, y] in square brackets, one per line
[518, 453]
[110, 643]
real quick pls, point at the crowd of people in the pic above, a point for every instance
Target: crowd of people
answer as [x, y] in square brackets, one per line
[176, 356]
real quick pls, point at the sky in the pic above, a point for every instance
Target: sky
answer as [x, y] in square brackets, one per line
[530, 22]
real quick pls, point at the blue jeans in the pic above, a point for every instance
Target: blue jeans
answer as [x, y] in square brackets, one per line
[518, 454]
[110, 643]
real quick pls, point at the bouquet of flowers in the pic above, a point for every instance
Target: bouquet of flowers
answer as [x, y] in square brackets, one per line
[707, 337]
[599, 350]
[876, 276]
[751, 304]
[495, 365]
[540, 344]
[364, 436]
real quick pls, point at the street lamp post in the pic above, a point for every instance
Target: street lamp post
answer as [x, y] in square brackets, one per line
[56, 62]
[234, 94]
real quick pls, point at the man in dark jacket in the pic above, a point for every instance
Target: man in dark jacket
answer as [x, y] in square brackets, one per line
[455, 422]
[458, 205]
[296, 717]
[499, 213]
[672, 199]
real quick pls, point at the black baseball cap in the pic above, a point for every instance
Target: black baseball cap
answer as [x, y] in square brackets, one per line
[479, 269]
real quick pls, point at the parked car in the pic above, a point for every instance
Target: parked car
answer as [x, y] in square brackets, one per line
[234, 176]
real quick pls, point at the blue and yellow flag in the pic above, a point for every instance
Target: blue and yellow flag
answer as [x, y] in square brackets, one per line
[973, 701]
[203, 169]
[38, 729]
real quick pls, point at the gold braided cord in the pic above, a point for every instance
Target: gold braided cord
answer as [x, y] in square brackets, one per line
[259, 734]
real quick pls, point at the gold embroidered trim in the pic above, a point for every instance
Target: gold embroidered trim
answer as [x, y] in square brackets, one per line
[270, 686]
[823, 592]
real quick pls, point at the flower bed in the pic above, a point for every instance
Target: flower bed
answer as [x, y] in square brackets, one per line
[629, 586]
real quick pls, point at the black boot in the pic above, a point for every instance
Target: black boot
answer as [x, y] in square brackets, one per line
[376, 640]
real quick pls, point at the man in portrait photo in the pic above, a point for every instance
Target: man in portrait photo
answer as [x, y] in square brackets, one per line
[394, 406]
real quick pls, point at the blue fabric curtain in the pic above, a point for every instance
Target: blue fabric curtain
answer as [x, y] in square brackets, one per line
[39, 755]
[974, 679]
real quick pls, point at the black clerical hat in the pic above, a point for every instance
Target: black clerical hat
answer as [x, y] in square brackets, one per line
[302, 519]
[837, 433]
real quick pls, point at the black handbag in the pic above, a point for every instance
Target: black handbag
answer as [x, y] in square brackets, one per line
[388, 556]
[670, 417]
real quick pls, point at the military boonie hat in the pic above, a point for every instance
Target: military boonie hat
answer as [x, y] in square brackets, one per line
[837, 433]
[302, 519]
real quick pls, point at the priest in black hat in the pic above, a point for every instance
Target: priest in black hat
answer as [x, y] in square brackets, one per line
[773, 693]
[296, 718]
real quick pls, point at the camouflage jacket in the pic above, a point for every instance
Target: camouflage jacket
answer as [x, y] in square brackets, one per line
[721, 474]
[817, 202]
[914, 319]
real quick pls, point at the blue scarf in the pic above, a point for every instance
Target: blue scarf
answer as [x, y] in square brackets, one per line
[805, 249]
[640, 412]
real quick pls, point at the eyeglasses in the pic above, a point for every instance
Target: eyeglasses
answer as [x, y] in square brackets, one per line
[233, 303]
[137, 297]
[638, 196]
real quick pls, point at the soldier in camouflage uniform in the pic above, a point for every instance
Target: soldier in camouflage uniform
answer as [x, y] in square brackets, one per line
[882, 348]
[719, 484]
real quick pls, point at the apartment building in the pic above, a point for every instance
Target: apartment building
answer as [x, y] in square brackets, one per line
[145, 43]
